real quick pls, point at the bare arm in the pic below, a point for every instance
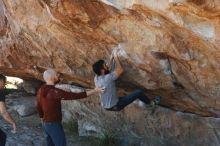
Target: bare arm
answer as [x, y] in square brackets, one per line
[72, 96]
[89, 92]
[118, 70]
[94, 91]
[6, 115]
[109, 65]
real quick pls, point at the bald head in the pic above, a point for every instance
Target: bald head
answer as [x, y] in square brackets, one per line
[49, 75]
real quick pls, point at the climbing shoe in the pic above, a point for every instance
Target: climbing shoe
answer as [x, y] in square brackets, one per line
[155, 103]
[157, 100]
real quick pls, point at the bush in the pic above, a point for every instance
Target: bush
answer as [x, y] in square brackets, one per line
[107, 139]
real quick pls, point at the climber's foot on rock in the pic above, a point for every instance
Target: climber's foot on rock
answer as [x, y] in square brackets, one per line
[157, 100]
[155, 103]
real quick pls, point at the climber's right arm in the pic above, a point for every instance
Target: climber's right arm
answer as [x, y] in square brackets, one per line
[118, 70]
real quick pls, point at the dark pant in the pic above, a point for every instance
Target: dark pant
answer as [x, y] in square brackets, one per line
[128, 99]
[55, 135]
[2, 138]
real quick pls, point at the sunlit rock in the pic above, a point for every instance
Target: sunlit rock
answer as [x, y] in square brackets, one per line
[70, 35]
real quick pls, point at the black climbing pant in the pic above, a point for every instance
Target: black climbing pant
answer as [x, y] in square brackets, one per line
[2, 138]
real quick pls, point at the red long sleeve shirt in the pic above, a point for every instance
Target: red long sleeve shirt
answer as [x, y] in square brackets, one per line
[49, 102]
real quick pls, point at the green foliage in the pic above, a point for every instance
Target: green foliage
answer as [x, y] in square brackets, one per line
[108, 139]
[71, 127]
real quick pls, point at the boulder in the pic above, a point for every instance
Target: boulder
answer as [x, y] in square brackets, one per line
[168, 47]
[22, 103]
[70, 35]
[31, 86]
[138, 126]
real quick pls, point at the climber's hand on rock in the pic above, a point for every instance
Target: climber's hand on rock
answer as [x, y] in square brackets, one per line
[115, 54]
[112, 56]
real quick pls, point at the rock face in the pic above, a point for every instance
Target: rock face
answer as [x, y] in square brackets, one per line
[168, 47]
[31, 86]
[136, 126]
[22, 103]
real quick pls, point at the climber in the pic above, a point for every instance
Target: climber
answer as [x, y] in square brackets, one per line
[3, 111]
[105, 78]
[49, 107]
